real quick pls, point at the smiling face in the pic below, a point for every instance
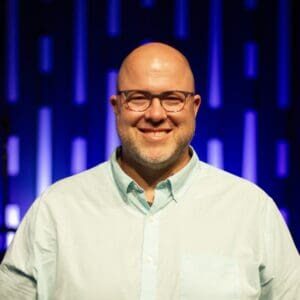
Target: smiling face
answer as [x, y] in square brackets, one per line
[155, 139]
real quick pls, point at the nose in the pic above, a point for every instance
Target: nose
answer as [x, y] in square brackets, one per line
[155, 112]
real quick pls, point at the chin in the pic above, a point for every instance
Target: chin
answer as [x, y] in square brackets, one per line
[153, 157]
[157, 162]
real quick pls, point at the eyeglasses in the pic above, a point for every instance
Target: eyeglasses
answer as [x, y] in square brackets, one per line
[171, 101]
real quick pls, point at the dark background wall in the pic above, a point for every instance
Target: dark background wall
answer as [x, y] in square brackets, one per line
[58, 67]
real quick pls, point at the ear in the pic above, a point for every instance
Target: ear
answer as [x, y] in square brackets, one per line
[114, 103]
[196, 103]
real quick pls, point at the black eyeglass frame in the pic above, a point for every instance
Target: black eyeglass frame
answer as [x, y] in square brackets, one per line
[150, 96]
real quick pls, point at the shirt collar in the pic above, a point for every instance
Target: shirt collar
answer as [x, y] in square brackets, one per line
[177, 183]
[123, 181]
[180, 181]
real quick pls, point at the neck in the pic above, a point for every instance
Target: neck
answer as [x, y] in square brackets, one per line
[146, 177]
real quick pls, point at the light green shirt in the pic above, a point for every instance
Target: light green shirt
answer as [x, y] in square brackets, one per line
[208, 235]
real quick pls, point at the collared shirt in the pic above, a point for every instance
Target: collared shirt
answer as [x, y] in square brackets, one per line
[208, 235]
[166, 191]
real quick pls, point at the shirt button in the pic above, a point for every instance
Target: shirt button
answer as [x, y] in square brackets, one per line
[151, 220]
[149, 259]
[162, 185]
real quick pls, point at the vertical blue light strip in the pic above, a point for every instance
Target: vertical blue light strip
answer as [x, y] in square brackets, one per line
[285, 214]
[12, 220]
[148, 3]
[112, 139]
[251, 60]
[215, 54]
[113, 17]
[80, 51]
[9, 237]
[249, 146]
[250, 4]
[44, 150]
[215, 153]
[78, 155]
[181, 18]
[45, 54]
[284, 53]
[12, 50]
[13, 161]
[12, 215]
[282, 165]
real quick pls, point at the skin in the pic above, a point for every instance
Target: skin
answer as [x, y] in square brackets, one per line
[155, 143]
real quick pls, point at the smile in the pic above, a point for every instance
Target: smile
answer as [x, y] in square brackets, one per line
[155, 134]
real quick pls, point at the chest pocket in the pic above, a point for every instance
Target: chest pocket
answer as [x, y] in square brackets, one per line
[209, 278]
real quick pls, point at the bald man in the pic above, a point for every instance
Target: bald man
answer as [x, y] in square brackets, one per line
[155, 139]
[153, 222]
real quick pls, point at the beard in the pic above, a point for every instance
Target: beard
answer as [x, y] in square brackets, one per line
[156, 157]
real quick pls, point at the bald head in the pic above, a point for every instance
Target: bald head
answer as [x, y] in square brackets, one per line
[155, 138]
[155, 66]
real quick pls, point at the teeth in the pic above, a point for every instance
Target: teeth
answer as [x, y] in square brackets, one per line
[156, 133]
[159, 133]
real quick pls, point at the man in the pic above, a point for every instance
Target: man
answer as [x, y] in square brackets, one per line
[154, 222]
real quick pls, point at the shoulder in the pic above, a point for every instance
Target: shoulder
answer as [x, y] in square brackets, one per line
[91, 181]
[217, 175]
[227, 185]
[88, 177]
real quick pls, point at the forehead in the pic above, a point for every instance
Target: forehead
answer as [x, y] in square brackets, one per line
[156, 74]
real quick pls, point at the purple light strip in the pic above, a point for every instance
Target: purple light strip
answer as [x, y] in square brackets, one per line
[283, 159]
[45, 54]
[78, 155]
[285, 214]
[250, 60]
[181, 17]
[148, 3]
[215, 153]
[112, 139]
[250, 4]
[9, 237]
[215, 57]
[113, 26]
[249, 146]
[12, 50]
[44, 150]
[13, 149]
[80, 51]
[284, 53]
[12, 215]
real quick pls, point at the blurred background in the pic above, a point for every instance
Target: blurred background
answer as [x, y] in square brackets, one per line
[59, 62]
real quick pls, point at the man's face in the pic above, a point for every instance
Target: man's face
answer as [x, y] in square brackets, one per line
[155, 138]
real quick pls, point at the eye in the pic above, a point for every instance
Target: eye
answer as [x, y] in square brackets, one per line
[136, 96]
[172, 102]
[173, 99]
[137, 101]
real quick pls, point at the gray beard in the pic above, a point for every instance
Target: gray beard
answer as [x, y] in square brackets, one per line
[138, 157]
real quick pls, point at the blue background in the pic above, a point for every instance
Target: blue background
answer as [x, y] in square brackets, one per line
[58, 66]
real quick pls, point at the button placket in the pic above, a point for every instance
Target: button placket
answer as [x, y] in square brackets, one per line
[150, 258]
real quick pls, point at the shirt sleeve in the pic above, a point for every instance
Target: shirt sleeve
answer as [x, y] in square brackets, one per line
[280, 272]
[28, 256]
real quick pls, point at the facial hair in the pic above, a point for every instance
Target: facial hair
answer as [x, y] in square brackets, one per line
[165, 159]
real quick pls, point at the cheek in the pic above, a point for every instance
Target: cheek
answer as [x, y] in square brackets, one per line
[184, 120]
[127, 120]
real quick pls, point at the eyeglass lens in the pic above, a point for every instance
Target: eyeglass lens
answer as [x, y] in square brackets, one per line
[171, 101]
